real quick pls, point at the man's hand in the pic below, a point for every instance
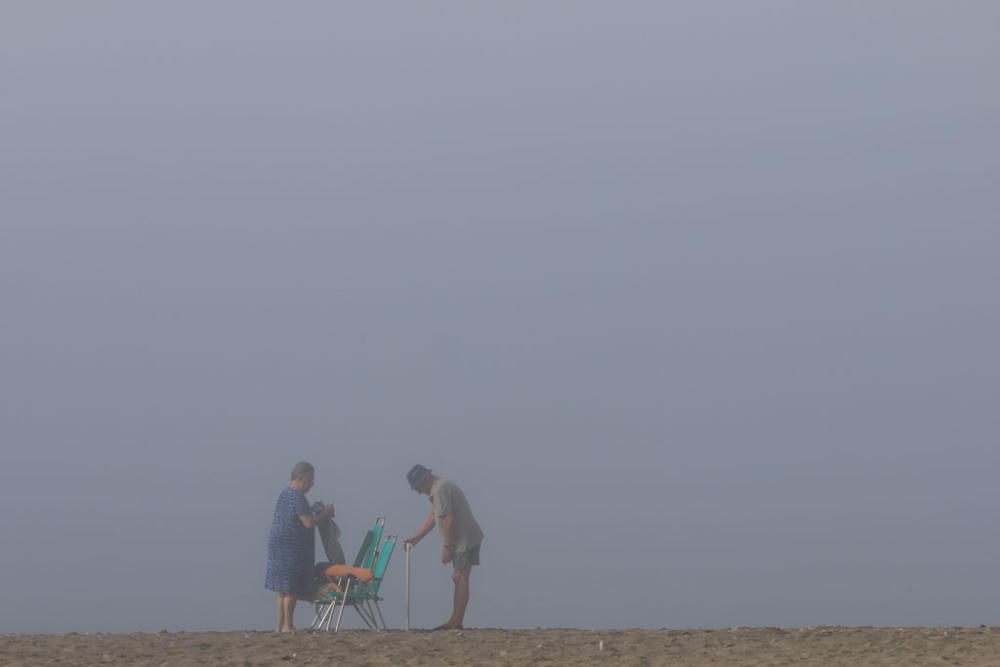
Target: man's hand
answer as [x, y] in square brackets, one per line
[445, 555]
[422, 531]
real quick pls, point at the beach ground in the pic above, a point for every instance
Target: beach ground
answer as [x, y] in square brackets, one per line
[826, 646]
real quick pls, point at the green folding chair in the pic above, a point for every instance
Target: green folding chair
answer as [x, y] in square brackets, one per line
[367, 553]
[364, 597]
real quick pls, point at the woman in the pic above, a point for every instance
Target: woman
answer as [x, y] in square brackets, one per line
[291, 545]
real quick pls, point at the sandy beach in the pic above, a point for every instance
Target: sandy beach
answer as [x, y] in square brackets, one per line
[827, 646]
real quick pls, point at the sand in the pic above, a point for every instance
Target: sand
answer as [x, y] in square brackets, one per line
[827, 646]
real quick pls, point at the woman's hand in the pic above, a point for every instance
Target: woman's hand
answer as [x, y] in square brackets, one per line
[445, 555]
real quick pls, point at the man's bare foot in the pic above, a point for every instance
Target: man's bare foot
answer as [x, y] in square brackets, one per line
[448, 626]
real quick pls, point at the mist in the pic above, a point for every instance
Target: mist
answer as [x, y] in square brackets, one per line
[697, 304]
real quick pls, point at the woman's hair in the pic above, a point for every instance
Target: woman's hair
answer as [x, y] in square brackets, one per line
[301, 469]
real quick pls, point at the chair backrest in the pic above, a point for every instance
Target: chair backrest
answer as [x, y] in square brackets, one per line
[369, 546]
[376, 545]
[382, 564]
[366, 547]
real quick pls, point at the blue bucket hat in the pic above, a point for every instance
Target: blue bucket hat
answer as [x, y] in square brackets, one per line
[417, 476]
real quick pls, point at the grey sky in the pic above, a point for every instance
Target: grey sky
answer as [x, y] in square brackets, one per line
[696, 301]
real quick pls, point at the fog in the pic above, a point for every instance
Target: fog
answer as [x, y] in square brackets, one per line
[695, 301]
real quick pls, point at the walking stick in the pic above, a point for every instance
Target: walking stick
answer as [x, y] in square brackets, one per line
[408, 549]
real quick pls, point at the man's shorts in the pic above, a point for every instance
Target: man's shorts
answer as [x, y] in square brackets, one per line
[463, 560]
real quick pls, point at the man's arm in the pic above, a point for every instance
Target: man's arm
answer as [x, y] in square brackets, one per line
[425, 528]
[447, 521]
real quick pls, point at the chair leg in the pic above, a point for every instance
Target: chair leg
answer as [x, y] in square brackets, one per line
[363, 613]
[328, 616]
[321, 612]
[343, 603]
[381, 617]
[371, 615]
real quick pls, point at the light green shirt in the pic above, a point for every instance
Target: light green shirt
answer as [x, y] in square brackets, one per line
[446, 498]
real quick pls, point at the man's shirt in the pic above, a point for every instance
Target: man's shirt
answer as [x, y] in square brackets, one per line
[446, 498]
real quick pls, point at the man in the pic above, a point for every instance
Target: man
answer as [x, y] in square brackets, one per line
[459, 531]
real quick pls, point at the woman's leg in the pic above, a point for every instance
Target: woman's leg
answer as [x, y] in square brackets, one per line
[281, 612]
[289, 611]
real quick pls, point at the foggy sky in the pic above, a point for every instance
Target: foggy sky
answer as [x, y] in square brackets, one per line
[696, 301]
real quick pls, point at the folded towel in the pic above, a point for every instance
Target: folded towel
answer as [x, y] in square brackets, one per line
[362, 574]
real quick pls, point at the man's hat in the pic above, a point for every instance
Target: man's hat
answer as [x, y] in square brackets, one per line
[417, 476]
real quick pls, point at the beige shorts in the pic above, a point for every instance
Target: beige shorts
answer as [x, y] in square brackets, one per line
[463, 560]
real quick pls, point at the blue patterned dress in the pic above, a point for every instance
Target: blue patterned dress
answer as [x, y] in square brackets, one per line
[290, 546]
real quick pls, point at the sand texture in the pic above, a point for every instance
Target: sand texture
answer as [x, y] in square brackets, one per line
[744, 646]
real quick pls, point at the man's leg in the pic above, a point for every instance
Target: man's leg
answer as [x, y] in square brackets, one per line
[461, 599]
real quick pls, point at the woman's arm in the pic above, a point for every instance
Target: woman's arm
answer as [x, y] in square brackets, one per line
[310, 520]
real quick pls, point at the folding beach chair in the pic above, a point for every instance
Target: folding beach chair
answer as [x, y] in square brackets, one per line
[363, 596]
[340, 576]
[343, 579]
[358, 588]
